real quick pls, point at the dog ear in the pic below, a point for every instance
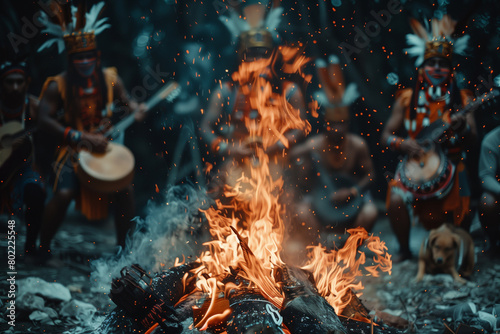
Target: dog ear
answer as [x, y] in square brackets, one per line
[456, 240]
[432, 238]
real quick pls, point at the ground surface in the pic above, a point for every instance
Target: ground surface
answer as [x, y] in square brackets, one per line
[425, 307]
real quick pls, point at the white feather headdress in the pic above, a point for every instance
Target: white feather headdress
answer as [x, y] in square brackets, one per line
[72, 27]
[254, 18]
[436, 41]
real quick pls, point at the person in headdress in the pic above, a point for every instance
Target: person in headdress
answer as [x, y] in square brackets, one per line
[22, 189]
[85, 94]
[436, 98]
[224, 127]
[340, 172]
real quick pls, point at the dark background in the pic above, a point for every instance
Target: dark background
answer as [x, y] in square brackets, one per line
[148, 35]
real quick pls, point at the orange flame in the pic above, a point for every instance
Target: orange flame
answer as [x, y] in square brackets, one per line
[335, 272]
[247, 234]
[248, 240]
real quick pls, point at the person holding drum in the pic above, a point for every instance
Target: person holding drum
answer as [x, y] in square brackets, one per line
[430, 184]
[489, 174]
[85, 94]
[22, 190]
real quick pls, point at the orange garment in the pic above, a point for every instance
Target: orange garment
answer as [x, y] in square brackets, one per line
[429, 211]
[93, 205]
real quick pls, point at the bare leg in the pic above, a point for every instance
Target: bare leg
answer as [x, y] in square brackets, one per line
[367, 217]
[400, 222]
[124, 212]
[34, 198]
[53, 217]
[489, 215]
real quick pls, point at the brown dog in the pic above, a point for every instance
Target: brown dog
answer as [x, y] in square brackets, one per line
[449, 250]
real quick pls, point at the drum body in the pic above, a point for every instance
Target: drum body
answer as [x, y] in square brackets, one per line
[106, 172]
[429, 176]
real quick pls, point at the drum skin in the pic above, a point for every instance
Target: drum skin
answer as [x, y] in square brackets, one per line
[429, 176]
[106, 172]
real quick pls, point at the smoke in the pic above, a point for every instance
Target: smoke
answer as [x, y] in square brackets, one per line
[173, 229]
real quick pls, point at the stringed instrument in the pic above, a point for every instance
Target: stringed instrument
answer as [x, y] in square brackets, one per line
[430, 176]
[114, 169]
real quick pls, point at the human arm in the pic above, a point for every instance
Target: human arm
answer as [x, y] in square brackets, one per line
[126, 102]
[213, 122]
[365, 165]
[464, 128]
[47, 109]
[393, 125]
[489, 161]
[294, 135]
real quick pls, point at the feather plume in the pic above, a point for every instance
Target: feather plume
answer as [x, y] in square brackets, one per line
[418, 29]
[322, 99]
[50, 42]
[447, 26]
[65, 19]
[50, 28]
[273, 19]
[435, 27]
[80, 15]
[92, 17]
[439, 30]
[254, 15]
[100, 26]
[460, 45]
[235, 24]
[351, 94]
[56, 14]
[416, 49]
[66, 10]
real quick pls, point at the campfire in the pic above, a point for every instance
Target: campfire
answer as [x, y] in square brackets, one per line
[241, 283]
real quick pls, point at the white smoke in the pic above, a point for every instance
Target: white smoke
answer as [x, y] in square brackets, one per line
[172, 229]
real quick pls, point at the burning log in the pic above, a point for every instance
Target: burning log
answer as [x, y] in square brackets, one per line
[144, 302]
[355, 309]
[252, 313]
[171, 286]
[311, 313]
[304, 310]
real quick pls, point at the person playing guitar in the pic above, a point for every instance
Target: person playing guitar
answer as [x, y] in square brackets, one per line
[434, 101]
[20, 182]
[85, 93]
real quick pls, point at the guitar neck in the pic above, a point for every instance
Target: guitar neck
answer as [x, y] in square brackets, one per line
[486, 98]
[168, 92]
